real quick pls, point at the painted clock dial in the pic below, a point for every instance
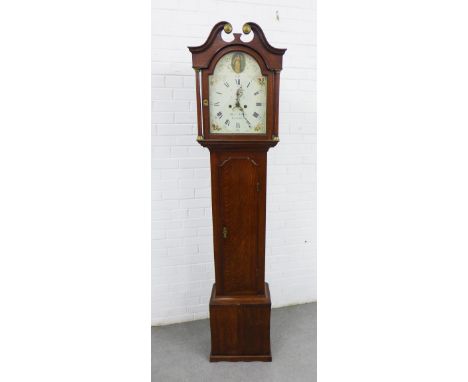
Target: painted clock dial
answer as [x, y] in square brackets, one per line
[238, 94]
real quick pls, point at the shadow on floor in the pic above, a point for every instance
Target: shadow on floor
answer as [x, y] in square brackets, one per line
[180, 352]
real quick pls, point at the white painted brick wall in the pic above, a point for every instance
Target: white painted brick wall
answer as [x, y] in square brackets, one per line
[182, 245]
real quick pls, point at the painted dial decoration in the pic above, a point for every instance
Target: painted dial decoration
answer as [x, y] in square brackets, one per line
[238, 94]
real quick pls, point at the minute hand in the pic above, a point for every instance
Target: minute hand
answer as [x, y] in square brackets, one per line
[244, 117]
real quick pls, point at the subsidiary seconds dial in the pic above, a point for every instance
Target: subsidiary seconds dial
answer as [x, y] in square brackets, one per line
[237, 91]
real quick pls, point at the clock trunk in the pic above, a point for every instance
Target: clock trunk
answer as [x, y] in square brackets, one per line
[238, 183]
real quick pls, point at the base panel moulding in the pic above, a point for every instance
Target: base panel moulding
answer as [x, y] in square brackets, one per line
[240, 358]
[240, 327]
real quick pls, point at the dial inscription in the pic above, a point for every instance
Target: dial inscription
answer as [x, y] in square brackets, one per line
[237, 91]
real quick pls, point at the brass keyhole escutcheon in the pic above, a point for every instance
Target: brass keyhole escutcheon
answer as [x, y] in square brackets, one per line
[205, 102]
[225, 232]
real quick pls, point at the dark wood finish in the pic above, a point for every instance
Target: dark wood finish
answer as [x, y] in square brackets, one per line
[240, 303]
[203, 54]
[239, 358]
[238, 183]
[240, 327]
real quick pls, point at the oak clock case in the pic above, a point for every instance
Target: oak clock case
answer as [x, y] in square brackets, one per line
[237, 88]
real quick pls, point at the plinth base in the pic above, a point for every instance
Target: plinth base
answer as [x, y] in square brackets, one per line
[240, 327]
[240, 358]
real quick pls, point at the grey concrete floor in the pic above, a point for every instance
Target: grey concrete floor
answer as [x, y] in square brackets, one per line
[180, 352]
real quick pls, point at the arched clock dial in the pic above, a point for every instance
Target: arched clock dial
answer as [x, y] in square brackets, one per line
[238, 94]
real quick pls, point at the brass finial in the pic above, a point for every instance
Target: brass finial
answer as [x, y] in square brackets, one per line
[228, 28]
[275, 138]
[246, 28]
[199, 138]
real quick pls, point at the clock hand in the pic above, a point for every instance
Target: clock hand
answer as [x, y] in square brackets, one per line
[238, 94]
[243, 114]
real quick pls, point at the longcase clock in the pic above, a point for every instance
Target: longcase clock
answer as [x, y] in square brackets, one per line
[237, 88]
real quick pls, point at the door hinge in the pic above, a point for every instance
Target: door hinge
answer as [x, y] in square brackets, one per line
[258, 186]
[225, 232]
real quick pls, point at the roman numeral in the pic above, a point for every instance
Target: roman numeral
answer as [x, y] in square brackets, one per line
[255, 115]
[218, 93]
[217, 104]
[248, 84]
[219, 114]
[227, 122]
[256, 93]
[237, 81]
[237, 125]
[258, 104]
[226, 84]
